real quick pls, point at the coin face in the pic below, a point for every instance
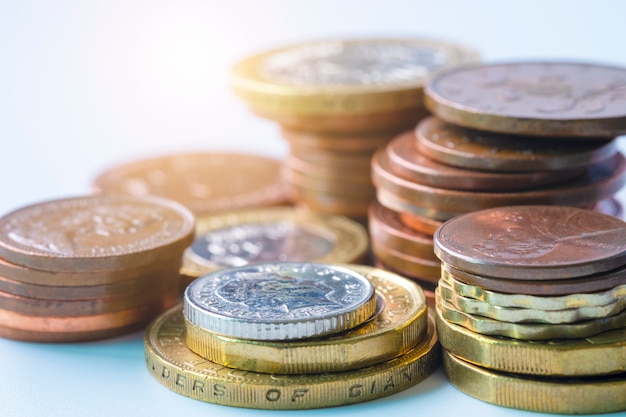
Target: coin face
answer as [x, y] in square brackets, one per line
[558, 99]
[280, 301]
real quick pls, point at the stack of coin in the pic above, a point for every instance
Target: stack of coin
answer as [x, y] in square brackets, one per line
[89, 267]
[531, 307]
[337, 102]
[294, 336]
[505, 134]
[272, 234]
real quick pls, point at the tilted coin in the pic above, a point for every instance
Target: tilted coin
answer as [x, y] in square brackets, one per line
[414, 267]
[346, 142]
[473, 149]
[556, 99]
[547, 395]
[339, 186]
[203, 182]
[175, 366]
[100, 232]
[528, 331]
[405, 205]
[558, 357]
[342, 204]
[331, 173]
[533, 242]
[400, 322]
[420, 224]
[280, 301]
[243, 237]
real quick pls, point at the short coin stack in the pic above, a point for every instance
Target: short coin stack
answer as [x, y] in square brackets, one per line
[294, 335]
[501, 134]
[531, 307]
[337, 101]
[89, 267]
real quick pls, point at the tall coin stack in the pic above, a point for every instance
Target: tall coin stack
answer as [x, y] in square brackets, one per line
[531, 307]
[89, 267]
[294, 335]
[337, 101]
[501, 134]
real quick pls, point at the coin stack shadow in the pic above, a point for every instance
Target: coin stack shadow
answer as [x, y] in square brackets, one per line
[89, 268]
[337, 101]
[247, 352]
[531, 308]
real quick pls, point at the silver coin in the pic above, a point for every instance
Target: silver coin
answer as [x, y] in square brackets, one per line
[280, 301]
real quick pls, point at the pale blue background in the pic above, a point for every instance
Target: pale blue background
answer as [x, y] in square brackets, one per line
[87, 84]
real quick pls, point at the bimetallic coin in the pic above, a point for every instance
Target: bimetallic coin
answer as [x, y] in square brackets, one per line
[533, 242]
[280, 301]
[203, 182]
[563, 357]
[546, 395]
[552, 99]
[101, 232]
[174, 365]
[400, 322]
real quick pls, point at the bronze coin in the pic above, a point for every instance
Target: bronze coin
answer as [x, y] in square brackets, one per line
[427, 287]
[472, 149]
[406, 264]
[354, 143]
[203, 182]
[404, 205]
[342, 187]
[8, 332]
[533, 242]
[420, 224]
[327, 173]
[332, 159]
[408, 161]
[558, 99]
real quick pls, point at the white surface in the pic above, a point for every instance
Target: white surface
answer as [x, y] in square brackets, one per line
[87, 84]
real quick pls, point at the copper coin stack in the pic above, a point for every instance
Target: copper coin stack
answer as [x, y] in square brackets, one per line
[500, 134]
[337, 101]
[531, 307]
[91, 267]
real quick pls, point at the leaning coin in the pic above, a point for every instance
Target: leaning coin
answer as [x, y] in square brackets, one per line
[556, 99]
[398, 324]
[280, 301]
[174, 365]
[414, 267]
[547, 395]
[557, 357]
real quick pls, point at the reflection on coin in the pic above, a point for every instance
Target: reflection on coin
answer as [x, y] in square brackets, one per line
[397, 326]
[414, 267]
[556, 99]
[203, 182]
[533, 242]
[547, 395]
[172, 364]
[280, 301]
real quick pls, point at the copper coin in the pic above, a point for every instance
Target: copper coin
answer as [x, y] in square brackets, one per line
[473, 149]
[342, 187]
[533, 242]
[592, 283]
[203, 182]
[427, 287]
[359, 142]
[327, 173]
[407, 161]
[70, 337]
[386, 228]
[559, 99]
[420, 224]
[348, 160]
[330, 203]
[406, 264]
[602, 180]
[101, 232]
[411, 207]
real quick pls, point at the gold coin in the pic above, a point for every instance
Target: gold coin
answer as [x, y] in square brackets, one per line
[558, 357]
[174, 365]
[399, 323]
[547, 395]
[273, 234]
[528, 331]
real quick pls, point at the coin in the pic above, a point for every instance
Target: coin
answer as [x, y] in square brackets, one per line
[346, 142]
[175, 366]
[547, 395]
[407, 161]
[420, 224]
[203, 182]
[101, 232]
[473, 149]
[400, 322]
[406, 264]
[427, 287]
[555, 99]
[243, 237]
[343, 204]
[330, 174]
[340, 186]
[564, 357]
[533, 242]
[280, 301]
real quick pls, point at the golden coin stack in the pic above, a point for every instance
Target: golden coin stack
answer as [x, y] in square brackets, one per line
[394, 347]
[337, 101]
[531, 307]
[500, 134]
[92, 267]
